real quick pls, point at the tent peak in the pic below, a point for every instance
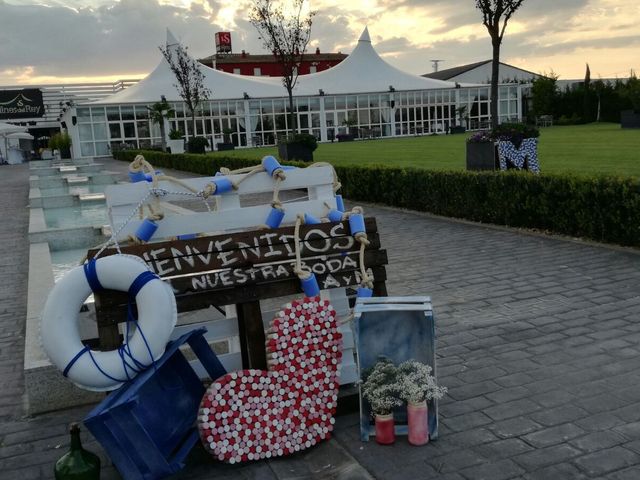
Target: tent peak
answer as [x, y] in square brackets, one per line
[171, 39]
[364, 37]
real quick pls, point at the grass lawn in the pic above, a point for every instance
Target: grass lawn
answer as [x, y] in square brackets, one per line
[594, 148]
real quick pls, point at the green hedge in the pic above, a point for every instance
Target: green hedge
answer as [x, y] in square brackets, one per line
[600, 208]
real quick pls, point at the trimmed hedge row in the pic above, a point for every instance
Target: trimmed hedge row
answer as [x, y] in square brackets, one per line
[601, 208]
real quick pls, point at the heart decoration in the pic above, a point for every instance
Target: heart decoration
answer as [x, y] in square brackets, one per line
[255, 414]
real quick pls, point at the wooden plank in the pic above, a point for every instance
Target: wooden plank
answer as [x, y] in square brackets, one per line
[231, 278]
[205, 222]
[108, 332]
[116, 311]
[242, 250]
[241, 277]
[254, 238]
[132, 193]
[252, 338]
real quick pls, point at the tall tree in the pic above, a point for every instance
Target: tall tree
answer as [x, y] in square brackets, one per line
[545, 92]
[157, 113]
[495, 16]
[285, 30]
[189, 79]
[586, 116]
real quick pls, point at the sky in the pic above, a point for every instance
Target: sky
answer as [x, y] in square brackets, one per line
[71, 41]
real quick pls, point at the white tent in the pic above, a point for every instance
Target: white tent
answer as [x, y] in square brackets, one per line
[19, 136]
[6, 130]
[362, 71]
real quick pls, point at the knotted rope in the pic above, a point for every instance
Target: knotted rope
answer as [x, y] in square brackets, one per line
[302, 272]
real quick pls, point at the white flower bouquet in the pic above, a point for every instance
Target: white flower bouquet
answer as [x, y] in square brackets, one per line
[416, 384]
[380, 388]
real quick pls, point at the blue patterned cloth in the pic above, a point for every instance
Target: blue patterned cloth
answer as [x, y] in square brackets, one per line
[507, 152]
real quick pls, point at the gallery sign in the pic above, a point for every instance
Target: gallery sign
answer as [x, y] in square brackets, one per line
[223, 42]
[25, 103]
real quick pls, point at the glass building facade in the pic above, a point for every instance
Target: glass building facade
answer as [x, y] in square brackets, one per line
[256, 122]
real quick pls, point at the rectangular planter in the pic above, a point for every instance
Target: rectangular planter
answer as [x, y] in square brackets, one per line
[344, 138]
[481, 156]
[221, 147]
[176, 146]
[629, 119]
[295, 151]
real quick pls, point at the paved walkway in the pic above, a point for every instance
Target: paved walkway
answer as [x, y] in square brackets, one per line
[537, 341]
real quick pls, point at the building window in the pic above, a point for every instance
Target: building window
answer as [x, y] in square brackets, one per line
[236, 71]
[257, 72]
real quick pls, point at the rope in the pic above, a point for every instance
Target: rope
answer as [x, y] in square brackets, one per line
[116, 233]
[129, 362]
[249, 174]
[275, 202]
[366, 279]
[298, 268]
[336, 182]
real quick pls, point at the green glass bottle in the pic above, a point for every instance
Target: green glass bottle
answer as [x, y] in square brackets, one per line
[78, 463]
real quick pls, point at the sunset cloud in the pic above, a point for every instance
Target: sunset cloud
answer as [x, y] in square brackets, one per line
[47, 41]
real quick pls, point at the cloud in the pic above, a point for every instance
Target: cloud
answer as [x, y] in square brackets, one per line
[119, 37]
[71, 39]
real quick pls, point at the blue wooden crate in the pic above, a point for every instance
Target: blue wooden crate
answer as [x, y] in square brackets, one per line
[147, 426]
[400, 329]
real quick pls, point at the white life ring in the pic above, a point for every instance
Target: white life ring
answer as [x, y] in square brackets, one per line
[96, 370]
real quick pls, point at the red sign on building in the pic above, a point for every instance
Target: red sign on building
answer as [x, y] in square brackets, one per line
[223, 42]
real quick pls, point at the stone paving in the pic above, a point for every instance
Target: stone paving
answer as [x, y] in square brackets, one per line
[537, 341]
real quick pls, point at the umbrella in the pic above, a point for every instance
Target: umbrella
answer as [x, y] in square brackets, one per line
[19, 136]
[6, 129]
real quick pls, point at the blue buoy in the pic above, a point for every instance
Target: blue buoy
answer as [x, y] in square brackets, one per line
[149, 178]
[270, 164]
[310, 286]
[146, 230]
[187, 236]
[136, 177]
[334, 215]
[356, 224]
[364, 292]
[310, 219]
[339, 203]
[223, 185]
[275, 217]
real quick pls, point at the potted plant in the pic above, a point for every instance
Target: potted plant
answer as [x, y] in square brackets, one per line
[481, 151]
[417, 386]
[299, 146]
[517, 146]
[176, 141]
[158, 112]
[227, 144]
[61, 141]
[461, 114]
[197, 145]
[350, 123]
[631, 118]
[380, 389]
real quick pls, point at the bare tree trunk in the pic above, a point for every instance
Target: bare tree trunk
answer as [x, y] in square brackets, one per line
[292, 113]
[163, 135]
[495, 73]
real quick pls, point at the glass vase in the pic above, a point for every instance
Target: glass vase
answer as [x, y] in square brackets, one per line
[385, 429]
[417, 418]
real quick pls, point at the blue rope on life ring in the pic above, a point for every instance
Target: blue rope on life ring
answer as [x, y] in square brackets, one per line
[129, 362]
